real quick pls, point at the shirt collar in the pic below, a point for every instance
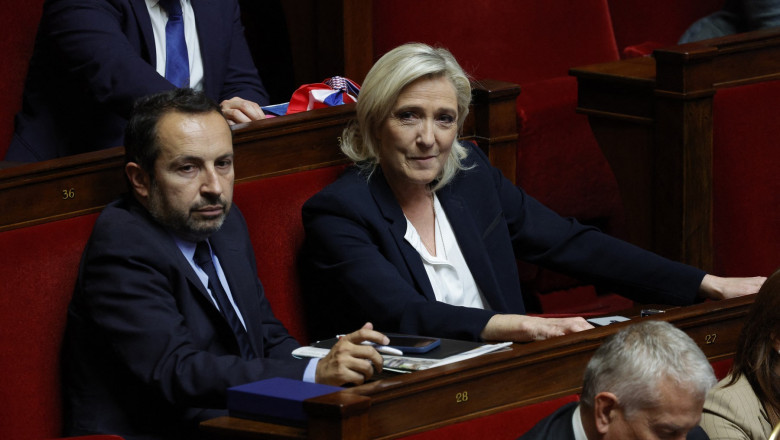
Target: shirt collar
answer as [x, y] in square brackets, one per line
[576, 423]
[187, 247]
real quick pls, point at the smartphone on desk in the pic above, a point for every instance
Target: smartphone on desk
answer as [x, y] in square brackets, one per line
[412, 344]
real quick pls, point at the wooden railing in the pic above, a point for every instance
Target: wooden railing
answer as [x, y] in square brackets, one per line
[527, 374]
[652, 118]
[67, 187]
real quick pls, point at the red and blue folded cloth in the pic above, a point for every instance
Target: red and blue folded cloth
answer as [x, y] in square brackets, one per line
[330, 92]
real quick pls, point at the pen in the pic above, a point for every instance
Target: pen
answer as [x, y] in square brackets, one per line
[384, 349]
[380, 348]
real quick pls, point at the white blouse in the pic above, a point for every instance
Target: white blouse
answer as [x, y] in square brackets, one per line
[448, 272]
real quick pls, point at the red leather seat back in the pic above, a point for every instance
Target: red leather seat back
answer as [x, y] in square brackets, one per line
[746, 179]
[38, 269]
[519, 41]
[272, 208]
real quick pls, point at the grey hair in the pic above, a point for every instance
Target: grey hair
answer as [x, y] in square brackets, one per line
[633, 362]
[385, 81]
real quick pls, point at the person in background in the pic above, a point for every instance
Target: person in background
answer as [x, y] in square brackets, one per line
[421, 236]
[735, 17]
[168, 311]
[648, 381]
[93, 59]
[746, 404]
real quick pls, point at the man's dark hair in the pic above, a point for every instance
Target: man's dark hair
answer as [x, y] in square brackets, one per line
[141, 144]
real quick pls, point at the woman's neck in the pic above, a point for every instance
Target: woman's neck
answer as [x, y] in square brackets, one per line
[418, 207]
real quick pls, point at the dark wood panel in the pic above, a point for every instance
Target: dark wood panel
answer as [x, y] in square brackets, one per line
[425, 400]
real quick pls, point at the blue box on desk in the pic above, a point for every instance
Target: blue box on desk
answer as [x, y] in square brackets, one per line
[277, 400]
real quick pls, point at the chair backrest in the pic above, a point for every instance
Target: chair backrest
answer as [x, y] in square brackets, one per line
[272, 208]
[746, 179]
[511, 40]
[38, 266]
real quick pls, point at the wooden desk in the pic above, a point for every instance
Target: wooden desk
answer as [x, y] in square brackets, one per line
[652, 118]
[71, 186]
[527, 374]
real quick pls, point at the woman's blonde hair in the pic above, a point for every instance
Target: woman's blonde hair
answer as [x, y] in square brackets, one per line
[384, 83]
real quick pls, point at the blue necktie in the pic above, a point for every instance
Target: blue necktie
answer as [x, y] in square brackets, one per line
[177, 64]
[203, 259]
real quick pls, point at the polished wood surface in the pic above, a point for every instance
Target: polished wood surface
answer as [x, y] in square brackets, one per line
[71, 186]
[652, 118]
[526, 374]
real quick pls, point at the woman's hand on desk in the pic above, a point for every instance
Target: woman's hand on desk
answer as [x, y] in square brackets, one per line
[523, 328]
[349, 361]
[713, 287]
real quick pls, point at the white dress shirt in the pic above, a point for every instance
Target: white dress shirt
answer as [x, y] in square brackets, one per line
[159, 20]
[576, 423]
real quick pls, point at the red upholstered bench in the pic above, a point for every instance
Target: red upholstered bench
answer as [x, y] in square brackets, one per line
[38, 266]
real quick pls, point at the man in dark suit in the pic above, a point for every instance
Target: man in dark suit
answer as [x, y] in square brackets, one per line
[94, 58]
[168, 311]
[648, 381]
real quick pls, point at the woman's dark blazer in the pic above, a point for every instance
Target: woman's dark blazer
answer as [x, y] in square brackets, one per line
[358, 267]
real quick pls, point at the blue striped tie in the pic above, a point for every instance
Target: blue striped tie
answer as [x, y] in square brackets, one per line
[177, 65]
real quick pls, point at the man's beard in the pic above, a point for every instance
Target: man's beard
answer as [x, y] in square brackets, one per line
[184, 224]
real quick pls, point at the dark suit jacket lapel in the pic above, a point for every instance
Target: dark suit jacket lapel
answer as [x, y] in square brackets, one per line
[145, 25]
[163, 235]
[392, 212]
[564, 429]
[188, 271]
[231, 260]
[471, 246]
[242, 283]
[205, 11]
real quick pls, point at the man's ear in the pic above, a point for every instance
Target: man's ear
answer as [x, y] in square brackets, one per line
[138, 178]
[604, 406]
